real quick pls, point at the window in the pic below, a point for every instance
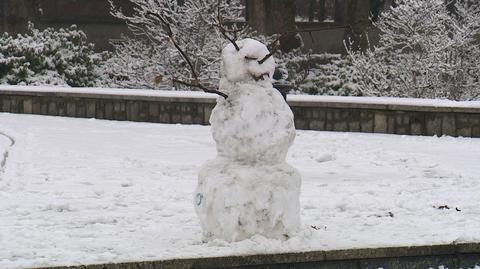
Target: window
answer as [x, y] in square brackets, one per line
[315, 11]
[84, 11]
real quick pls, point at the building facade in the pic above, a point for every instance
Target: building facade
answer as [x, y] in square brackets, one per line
[330, 20]
[91, 16]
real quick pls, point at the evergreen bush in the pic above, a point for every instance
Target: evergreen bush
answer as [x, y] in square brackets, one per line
[49, 57]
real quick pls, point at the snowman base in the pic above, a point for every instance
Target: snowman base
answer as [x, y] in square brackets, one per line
[235, 201]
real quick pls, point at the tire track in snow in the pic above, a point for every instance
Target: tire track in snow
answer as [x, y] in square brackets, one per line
[4, 155]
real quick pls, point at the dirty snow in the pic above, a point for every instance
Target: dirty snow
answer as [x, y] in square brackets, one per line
[76, 191]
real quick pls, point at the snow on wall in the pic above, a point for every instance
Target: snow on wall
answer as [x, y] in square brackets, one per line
[297, 99]
[108, 91]
[385, 101]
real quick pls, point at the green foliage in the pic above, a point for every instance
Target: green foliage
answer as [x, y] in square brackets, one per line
[49, 57]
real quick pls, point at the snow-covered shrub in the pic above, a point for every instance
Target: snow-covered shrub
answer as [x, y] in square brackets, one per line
[134, 64]
[152, 59]
[427, 49]
[49, 57]
[319, 74]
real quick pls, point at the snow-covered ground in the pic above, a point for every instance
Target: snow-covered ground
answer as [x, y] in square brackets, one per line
[76, 191]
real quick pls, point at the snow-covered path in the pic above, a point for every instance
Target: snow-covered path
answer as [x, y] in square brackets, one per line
[76, 191]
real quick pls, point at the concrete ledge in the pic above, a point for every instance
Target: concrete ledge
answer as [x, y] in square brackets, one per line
[465, 255]
[114, 94]
[391, 107]
[385, 103]
[320, 113]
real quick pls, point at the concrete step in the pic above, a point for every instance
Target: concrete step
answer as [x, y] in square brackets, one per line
[451, 256]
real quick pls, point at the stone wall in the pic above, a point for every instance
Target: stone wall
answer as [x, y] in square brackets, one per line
[126, 107]
[348, 114]
[403, 119]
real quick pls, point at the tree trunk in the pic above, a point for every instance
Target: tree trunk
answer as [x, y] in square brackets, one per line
[275, 17]
[311, 9]
[354, 14]
[15, 14]
[321, 11]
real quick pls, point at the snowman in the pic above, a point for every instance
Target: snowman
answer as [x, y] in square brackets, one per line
[249, 189]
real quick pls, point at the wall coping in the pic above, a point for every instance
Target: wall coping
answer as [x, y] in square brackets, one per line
[111, 93]
[295, 257]
[385, 103]
[374, 103]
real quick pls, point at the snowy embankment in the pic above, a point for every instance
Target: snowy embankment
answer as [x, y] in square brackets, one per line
[78, 191]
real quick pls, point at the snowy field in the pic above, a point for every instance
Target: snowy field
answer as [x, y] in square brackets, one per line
[76, 191]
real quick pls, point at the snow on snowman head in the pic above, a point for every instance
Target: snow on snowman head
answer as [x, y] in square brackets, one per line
[245, 64]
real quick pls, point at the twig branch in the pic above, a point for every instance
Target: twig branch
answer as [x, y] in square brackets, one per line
[220, 26]
[174, 42]
[275, 47]
[223, 31]
[275, 44]
[196, 84]
[196, 80]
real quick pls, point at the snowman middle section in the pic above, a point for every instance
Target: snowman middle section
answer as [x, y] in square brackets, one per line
[249, 188]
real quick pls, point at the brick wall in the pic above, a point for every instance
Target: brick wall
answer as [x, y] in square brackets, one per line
[317, 113]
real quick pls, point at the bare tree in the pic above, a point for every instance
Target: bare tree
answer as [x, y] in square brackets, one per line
[185, 39]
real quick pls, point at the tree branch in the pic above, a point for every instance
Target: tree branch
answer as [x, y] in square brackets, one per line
[220, 26]
[196, 84]
[275, 44]
[196, 80]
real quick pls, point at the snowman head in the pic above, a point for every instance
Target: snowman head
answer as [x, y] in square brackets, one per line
[244, 65]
